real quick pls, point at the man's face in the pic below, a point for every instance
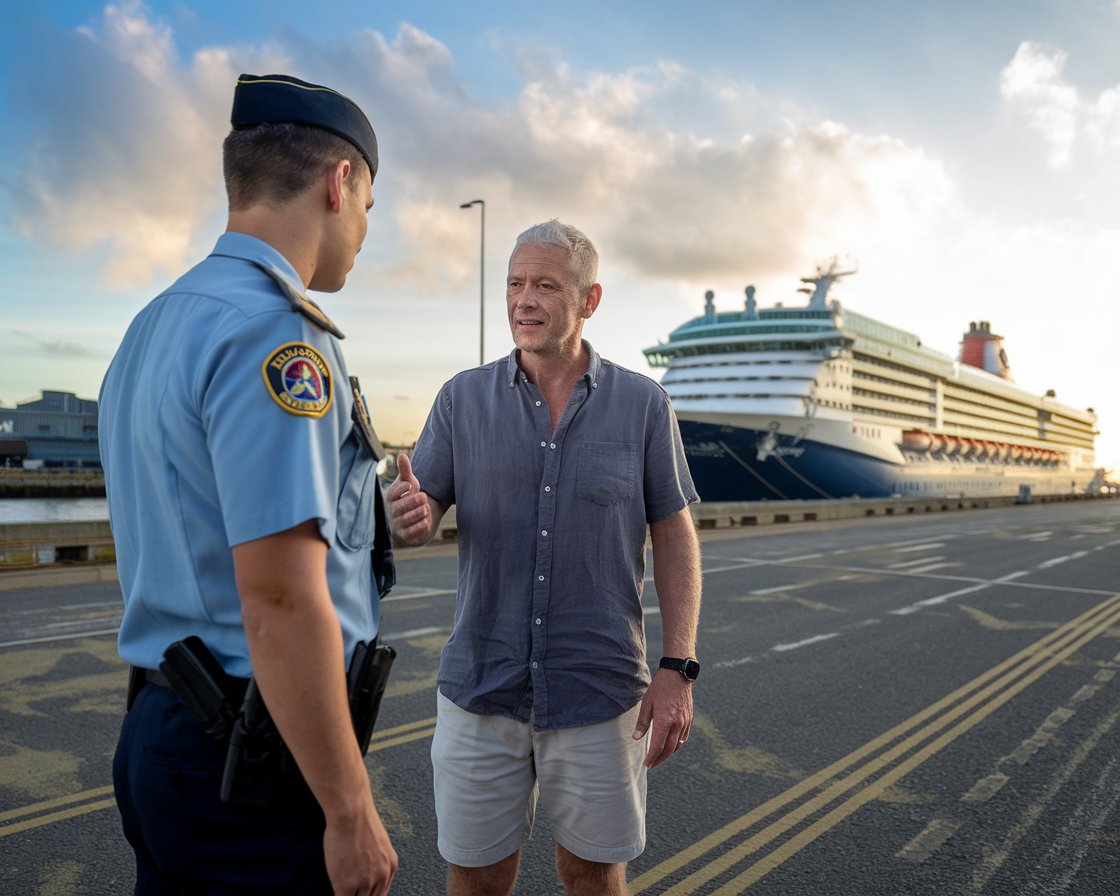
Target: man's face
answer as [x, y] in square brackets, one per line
[545, 307]
[348, 233]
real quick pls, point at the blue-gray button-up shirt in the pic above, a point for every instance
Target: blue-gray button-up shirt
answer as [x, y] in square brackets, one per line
[552, 529]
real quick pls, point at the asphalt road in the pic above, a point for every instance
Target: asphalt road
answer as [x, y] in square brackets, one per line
[916, 705]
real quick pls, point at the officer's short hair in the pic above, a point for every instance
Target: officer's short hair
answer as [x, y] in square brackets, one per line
[584, 257]
[277, 162]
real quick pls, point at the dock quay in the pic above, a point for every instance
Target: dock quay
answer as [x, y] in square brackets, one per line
[67, 545]
[52, 484]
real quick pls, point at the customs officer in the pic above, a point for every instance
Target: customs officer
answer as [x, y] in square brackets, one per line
[251, 539]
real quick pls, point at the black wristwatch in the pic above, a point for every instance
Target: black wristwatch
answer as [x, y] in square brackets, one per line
[689, 668]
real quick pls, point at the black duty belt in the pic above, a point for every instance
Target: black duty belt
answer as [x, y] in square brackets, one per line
[234, 687]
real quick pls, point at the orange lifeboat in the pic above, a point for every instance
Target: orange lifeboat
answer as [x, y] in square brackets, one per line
[916, 440]
[1017, 452]
[952, 446]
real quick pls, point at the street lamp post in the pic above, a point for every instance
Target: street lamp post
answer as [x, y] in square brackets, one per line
[481, 276]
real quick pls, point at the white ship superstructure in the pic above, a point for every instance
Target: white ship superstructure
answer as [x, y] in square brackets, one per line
[821, 402]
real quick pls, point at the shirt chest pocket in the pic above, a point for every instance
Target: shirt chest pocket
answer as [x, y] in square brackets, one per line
[606, 472]
[357, 501]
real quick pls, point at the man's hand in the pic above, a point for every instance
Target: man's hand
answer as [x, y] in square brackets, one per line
[412, 516]
[668, 705]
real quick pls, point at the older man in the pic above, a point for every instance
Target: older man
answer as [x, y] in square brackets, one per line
[558, 463]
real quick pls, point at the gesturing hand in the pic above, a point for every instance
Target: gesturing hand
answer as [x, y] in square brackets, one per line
[410, 511]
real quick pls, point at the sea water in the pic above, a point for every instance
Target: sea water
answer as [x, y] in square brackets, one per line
[52, 510]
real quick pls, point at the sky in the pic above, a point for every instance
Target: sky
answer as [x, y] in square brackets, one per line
[963, 153]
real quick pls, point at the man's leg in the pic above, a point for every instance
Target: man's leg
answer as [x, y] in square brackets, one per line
[485, 798]
[583, 878]
[593, 788]
[490, 880]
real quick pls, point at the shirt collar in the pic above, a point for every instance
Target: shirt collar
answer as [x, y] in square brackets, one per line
[594, 367]
[260, 253]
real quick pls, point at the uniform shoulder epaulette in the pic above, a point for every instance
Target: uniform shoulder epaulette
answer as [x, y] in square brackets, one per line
[303, 304]
[310, 310]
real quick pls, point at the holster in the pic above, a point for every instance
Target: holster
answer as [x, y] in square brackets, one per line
[366, 680]
[259, 769]
[207, 691]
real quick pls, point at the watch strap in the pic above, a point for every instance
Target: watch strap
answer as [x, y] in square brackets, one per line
[687, 666]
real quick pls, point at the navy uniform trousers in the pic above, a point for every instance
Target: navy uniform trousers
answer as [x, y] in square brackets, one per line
[167, 774]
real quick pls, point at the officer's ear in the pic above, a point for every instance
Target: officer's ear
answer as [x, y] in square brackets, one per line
[336, 184]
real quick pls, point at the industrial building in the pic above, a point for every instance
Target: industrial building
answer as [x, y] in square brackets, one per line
[58, 430]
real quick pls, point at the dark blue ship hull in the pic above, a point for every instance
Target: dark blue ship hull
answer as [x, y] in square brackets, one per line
[727, 465]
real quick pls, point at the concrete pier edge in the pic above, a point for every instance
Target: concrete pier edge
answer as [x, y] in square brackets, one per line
[36, 554]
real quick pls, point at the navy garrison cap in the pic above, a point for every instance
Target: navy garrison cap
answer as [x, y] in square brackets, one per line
[276, 99]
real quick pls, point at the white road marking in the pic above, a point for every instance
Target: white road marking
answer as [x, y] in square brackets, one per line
[780, 648]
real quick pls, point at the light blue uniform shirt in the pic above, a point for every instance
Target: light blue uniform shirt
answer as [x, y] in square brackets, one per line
[225, 416]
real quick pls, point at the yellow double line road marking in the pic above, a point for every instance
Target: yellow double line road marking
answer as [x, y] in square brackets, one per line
[402, 734]
[50, 817]
[969, 704]
[47, 812]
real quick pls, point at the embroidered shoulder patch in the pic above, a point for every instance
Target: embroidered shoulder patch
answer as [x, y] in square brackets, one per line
[299, 379]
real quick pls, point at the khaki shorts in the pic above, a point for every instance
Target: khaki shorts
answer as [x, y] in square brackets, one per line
[490, 769]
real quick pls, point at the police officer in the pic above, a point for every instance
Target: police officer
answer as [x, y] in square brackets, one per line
[244, 501]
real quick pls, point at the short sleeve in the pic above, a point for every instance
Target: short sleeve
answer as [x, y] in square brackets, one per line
[270, 400]
[668, 482]
[433, 460]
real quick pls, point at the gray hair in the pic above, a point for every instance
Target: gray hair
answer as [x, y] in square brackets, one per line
[584, 258]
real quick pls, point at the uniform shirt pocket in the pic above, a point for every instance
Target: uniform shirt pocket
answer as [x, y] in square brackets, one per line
[605, 474]
[357, 501]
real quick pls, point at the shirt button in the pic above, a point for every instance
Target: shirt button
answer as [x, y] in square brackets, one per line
[540, 578]
[538, 404]
[542, 444]
[548, 488]
[553, 446]
[538, 620]
[544, 532]
[534, 664]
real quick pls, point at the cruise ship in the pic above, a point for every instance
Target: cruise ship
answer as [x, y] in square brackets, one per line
[818, 401]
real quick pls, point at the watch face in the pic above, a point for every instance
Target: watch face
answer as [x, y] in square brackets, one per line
[691, 669]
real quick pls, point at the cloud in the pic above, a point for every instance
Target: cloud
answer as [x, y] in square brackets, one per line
[124, 154]
[1034, 85]
[628, 159]
[64, 348]
[676, 175]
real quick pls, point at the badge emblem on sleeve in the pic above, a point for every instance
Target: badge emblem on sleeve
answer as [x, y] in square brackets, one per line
[299, 379]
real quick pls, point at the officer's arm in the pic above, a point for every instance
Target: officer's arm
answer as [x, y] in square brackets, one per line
[295, 645]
